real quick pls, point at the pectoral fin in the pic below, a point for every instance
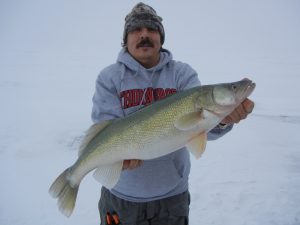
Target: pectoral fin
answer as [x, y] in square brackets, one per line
[197, 145]
[109, 175]
[189, 121]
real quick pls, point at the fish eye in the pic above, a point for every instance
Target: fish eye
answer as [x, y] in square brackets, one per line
[234, 87]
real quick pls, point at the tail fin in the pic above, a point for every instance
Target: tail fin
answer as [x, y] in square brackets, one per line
[65, 193]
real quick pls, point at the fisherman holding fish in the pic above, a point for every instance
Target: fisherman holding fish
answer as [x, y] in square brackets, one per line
[152, 191]
[149, 189]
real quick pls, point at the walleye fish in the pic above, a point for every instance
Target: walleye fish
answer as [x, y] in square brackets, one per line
[182, 119]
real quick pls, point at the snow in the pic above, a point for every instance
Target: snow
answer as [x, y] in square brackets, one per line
[51, 53]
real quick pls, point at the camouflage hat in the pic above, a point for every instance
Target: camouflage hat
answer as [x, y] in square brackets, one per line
[143, 15]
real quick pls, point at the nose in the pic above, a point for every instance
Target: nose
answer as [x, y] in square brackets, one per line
[144, 33]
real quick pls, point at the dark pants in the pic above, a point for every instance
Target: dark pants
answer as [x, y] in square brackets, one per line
[169, 211]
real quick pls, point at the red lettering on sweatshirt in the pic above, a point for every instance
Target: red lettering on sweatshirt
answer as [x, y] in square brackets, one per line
[135, 97]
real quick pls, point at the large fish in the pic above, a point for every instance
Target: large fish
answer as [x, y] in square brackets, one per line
[182, 119]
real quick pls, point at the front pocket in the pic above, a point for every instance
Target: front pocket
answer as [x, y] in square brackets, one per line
[152, 179]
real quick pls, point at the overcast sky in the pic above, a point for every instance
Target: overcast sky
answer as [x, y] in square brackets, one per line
[222, 40]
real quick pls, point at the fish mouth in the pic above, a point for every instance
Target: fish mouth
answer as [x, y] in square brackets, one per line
[246, 89]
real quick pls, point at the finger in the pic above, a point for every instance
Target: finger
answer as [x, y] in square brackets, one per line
[241, 112]
[235, 116]
[134, 163]
[139, 163]
[248, 105]
[125, 164]
[227, 120]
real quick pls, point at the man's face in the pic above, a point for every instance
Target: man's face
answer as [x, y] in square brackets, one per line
[144, 45]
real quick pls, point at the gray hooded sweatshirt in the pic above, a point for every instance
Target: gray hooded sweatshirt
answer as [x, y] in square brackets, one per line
[125, 87]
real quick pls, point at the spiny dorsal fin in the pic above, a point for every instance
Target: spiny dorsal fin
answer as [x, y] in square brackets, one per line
[197, 145]
[189, 121]
[91, 133]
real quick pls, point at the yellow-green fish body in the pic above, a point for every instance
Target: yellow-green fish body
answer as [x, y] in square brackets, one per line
[182, 119]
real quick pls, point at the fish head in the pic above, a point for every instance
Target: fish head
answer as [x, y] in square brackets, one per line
[224, 98]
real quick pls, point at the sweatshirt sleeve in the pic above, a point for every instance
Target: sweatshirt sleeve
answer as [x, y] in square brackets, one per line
[106, 101]
[218, 132]
[187, 77]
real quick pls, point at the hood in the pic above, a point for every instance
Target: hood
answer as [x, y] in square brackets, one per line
[126, 59]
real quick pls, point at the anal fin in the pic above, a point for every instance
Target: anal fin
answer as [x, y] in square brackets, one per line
[197, 145]
[109, 175]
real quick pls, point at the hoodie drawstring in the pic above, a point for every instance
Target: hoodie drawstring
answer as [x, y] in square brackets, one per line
[150, 84]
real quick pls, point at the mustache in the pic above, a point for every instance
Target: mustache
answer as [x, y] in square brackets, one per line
[145, 43]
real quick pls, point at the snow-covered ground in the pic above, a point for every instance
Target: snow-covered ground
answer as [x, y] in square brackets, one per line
[51, 53]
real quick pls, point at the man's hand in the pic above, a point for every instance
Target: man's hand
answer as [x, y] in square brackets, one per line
[131, 164]
[241, 112]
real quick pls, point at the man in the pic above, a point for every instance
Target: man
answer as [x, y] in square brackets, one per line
[153, 191]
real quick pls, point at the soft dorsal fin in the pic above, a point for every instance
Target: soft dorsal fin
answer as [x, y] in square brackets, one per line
[189, 121]
[197, 145]
[91, 133]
